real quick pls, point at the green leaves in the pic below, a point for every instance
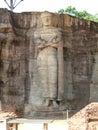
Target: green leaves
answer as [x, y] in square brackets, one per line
[79, 14]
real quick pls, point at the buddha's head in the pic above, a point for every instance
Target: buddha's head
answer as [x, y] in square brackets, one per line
[46, 18]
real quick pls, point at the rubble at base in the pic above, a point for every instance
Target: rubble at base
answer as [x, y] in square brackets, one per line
[85, 119]
[7, 115]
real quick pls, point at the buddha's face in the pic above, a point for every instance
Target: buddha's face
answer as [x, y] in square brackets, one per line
[47, 21]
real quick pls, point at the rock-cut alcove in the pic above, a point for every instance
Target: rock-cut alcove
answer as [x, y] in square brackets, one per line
[26, 45]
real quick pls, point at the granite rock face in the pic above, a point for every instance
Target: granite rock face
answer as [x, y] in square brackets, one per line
[47, 67]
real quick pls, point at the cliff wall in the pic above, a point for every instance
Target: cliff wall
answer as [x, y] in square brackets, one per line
[19, 79]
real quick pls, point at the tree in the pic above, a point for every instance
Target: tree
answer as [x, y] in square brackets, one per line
[61, 11]
[82, 14]
[12, 4]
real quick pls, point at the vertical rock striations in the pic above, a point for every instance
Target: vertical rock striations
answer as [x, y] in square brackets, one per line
[21, 34]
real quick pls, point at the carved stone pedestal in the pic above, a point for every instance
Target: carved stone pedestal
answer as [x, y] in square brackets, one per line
[43, 112]
[47, 115]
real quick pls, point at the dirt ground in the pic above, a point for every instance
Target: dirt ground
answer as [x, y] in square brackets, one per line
[85, 119]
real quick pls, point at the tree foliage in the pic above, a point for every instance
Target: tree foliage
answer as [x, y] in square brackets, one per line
[79, 14]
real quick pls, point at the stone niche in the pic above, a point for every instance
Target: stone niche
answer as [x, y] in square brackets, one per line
[48, 63]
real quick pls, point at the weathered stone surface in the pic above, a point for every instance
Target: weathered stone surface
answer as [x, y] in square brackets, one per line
[75, 41]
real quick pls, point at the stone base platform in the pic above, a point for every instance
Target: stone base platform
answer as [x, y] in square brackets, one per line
[47, 115]
[43, 112]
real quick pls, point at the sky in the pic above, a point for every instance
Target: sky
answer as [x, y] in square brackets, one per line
[91, 6]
